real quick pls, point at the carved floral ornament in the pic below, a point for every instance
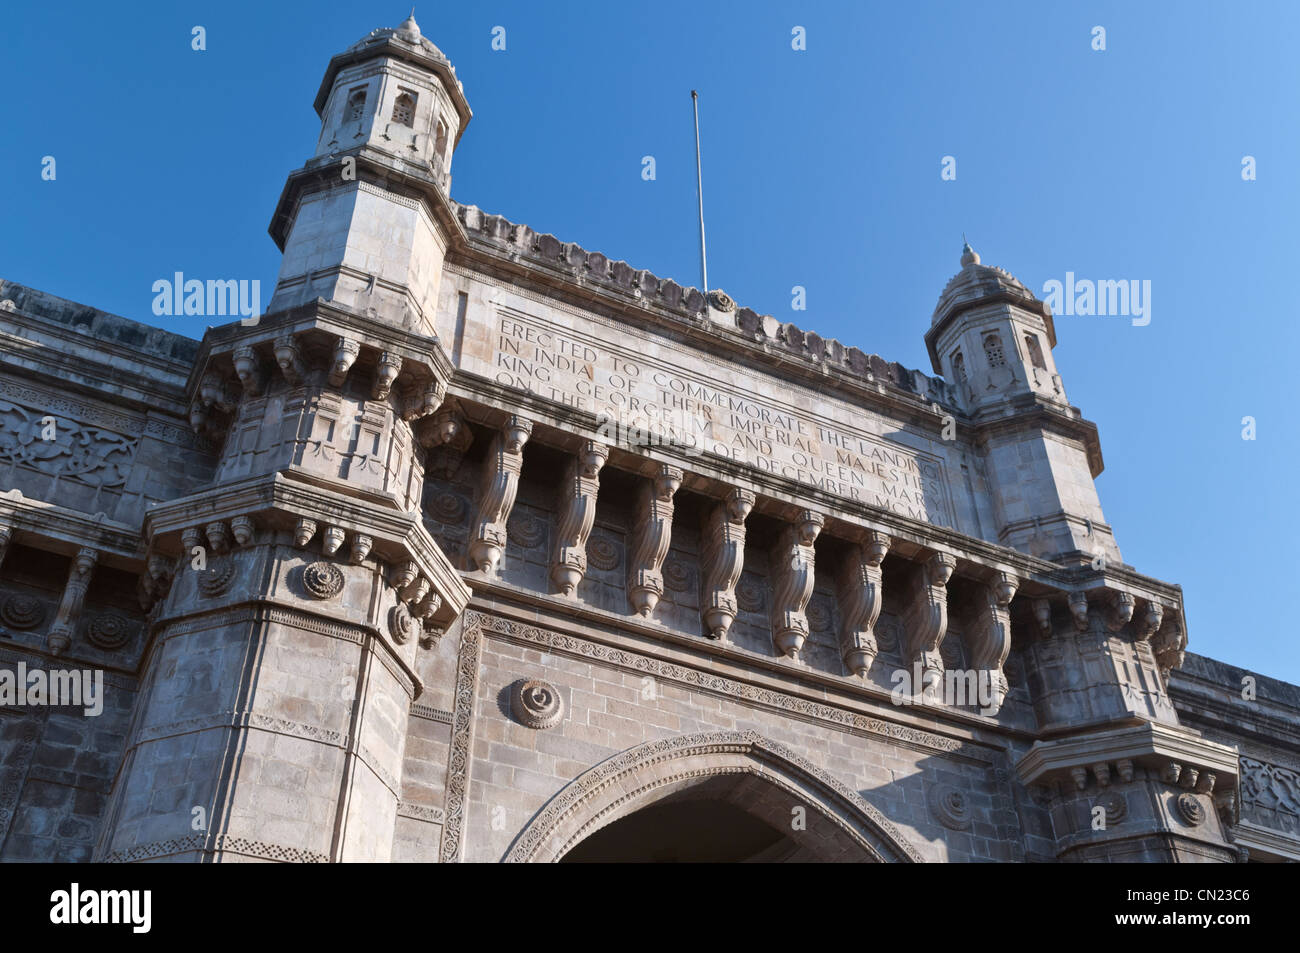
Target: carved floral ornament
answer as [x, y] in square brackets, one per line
[950, 807]
[536, 703]
[62, 448]
[322, 579]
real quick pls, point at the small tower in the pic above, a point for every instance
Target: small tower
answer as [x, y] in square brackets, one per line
[365, 222]
[993, 340]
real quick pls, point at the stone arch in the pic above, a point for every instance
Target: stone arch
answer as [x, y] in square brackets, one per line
[648, 773]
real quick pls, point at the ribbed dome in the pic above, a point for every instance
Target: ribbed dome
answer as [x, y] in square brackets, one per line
[976, 281]
[408, 32]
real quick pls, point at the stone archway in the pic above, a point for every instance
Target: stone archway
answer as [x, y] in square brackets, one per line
[840, 824]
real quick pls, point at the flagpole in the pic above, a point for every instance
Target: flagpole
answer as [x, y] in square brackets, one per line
[699, 181]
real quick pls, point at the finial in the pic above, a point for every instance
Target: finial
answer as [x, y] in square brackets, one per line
[410, 26]
[968, 255]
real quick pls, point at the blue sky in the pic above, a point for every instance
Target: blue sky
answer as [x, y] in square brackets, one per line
[822, 169]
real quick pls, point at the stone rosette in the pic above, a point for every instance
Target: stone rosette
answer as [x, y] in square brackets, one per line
[401, 624]
[536, 704]
[602, 554]
[322, 580]
[526, 532]
[108, 631]
[949, 807]
[22, 612]
[215, 580]
[1190, 809]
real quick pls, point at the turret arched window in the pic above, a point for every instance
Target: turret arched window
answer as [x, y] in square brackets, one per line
[1035, 352]
[356, 106]
[959, 367]
[440, 142]
[404, 110]
[993, 350]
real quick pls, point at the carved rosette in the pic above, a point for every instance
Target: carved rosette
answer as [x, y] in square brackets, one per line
[401, 625]
[500, 484]
[950, 807]
[722, 555]
[860, 598]
[216, 579]
[1190, 809]
[990, 636]
[925, 622]
[536, 704]
[322, 580]
[577, 514]
[108, 631]
[22, 612]
[74, 596]
[793, 567]
[652, 535]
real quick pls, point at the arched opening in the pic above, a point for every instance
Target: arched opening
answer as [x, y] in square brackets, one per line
[404, 109]
[709, 823]
[646, 803]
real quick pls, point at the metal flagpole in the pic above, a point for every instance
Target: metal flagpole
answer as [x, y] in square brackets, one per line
[699, 179]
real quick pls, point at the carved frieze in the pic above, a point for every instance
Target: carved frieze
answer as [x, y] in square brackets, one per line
[722, 556]
[61, 448]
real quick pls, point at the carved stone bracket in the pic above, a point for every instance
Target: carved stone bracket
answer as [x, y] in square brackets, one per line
[722, 556]
[577, 514]
[423, 401]
[249, 370]
[386, 371]
[1121, 611]
[74, 597]
[497, 497]
[1043, 616]
[6, 534]
[345, 355]
[1078, 602]
[860, 596]
[925, 620]
[652, 535]
[289, 356]
[793, 568]
[1153, 614]
[991, 635]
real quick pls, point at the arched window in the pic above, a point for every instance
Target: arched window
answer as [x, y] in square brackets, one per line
[959, 367]
[404, 110]
[356, 106]
[1035, 352]
[440, 141]
[993, 350]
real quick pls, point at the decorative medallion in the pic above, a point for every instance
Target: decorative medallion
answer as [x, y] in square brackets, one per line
[602, 553]
[108, 631]
[1115, 805]
[722, 301]
[22, 612]
[676, 576]
[887, 634]
[948, 805]
[448, 508]
[216, 579]
[323, 580]
[536, 704]
[819, 616]
[749, 594]
[1190, 809]
[526, 531]
[401, 625]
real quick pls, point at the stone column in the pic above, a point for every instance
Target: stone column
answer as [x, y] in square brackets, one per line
[497, 497]
[74, 595]
[793, 567]
[722, 557]
[860, 598]
[577, 515]
[651, 537]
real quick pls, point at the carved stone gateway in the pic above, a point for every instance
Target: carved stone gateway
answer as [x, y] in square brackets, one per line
[479, 545]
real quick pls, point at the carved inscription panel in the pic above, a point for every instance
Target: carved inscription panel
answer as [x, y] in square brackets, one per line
[648, 390]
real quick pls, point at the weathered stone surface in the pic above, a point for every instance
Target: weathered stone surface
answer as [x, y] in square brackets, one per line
[482, 546]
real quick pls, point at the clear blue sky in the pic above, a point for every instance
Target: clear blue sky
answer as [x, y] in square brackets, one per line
[822, 169]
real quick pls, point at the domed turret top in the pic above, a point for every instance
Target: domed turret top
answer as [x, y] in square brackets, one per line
[409, 28]
[969, 256]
